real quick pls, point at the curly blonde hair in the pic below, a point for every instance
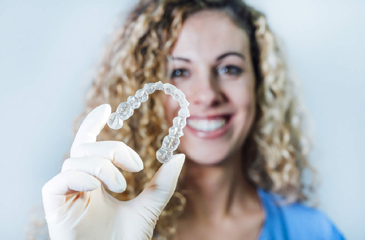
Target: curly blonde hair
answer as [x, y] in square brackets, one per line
[276, 149]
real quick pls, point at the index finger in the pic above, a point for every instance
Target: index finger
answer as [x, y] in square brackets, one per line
[91, 126]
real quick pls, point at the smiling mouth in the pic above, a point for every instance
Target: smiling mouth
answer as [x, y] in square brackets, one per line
[208, 124]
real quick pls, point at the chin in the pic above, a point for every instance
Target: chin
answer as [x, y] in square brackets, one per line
[204, 162]
[206, 156]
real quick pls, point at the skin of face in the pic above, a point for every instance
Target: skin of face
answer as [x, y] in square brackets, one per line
[212, 66]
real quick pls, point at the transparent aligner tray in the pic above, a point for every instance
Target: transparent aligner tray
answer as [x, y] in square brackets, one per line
[126, 109]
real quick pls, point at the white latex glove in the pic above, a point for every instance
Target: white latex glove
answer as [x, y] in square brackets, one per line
[76, 203]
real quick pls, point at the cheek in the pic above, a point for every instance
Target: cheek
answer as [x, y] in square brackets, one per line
[187, 87]
[243, 96]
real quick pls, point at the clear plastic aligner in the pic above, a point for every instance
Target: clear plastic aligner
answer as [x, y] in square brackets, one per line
[170, 142]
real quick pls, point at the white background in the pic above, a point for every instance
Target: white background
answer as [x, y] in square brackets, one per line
[49, 50]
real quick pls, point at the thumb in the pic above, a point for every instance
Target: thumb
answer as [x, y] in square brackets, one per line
[159, 190]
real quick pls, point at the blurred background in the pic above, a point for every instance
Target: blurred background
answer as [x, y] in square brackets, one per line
[49, 51]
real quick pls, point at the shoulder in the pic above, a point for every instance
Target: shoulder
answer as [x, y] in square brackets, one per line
[305, 219]
[301, 221]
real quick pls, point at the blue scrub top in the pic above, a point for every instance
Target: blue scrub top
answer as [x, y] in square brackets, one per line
[294, 221]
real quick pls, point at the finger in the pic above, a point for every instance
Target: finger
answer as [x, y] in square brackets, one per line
[91, 126]
[161, 187]
[55, 190]
[100, 168]
[118, 153]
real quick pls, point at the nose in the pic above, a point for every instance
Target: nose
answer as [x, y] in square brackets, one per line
[207, 91]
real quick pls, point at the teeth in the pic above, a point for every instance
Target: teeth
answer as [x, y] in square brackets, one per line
[205, 124]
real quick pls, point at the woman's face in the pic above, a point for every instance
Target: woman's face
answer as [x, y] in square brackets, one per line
[212, 66]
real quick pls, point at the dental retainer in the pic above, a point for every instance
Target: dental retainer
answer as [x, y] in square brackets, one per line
[170, 142]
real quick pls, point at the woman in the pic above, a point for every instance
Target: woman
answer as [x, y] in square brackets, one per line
[243, 145]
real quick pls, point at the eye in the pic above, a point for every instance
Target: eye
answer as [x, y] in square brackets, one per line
[229, 69]
[179, 73]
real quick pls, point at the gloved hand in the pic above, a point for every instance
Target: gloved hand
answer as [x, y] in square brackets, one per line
[76, 203]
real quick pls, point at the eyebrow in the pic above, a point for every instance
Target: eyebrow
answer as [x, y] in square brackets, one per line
[230, 53]
[181, 59]
[218, 58]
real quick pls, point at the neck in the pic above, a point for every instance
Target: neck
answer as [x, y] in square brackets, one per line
[219, 191]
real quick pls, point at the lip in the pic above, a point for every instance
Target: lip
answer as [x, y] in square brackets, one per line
[225, 115]
[213, 134]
